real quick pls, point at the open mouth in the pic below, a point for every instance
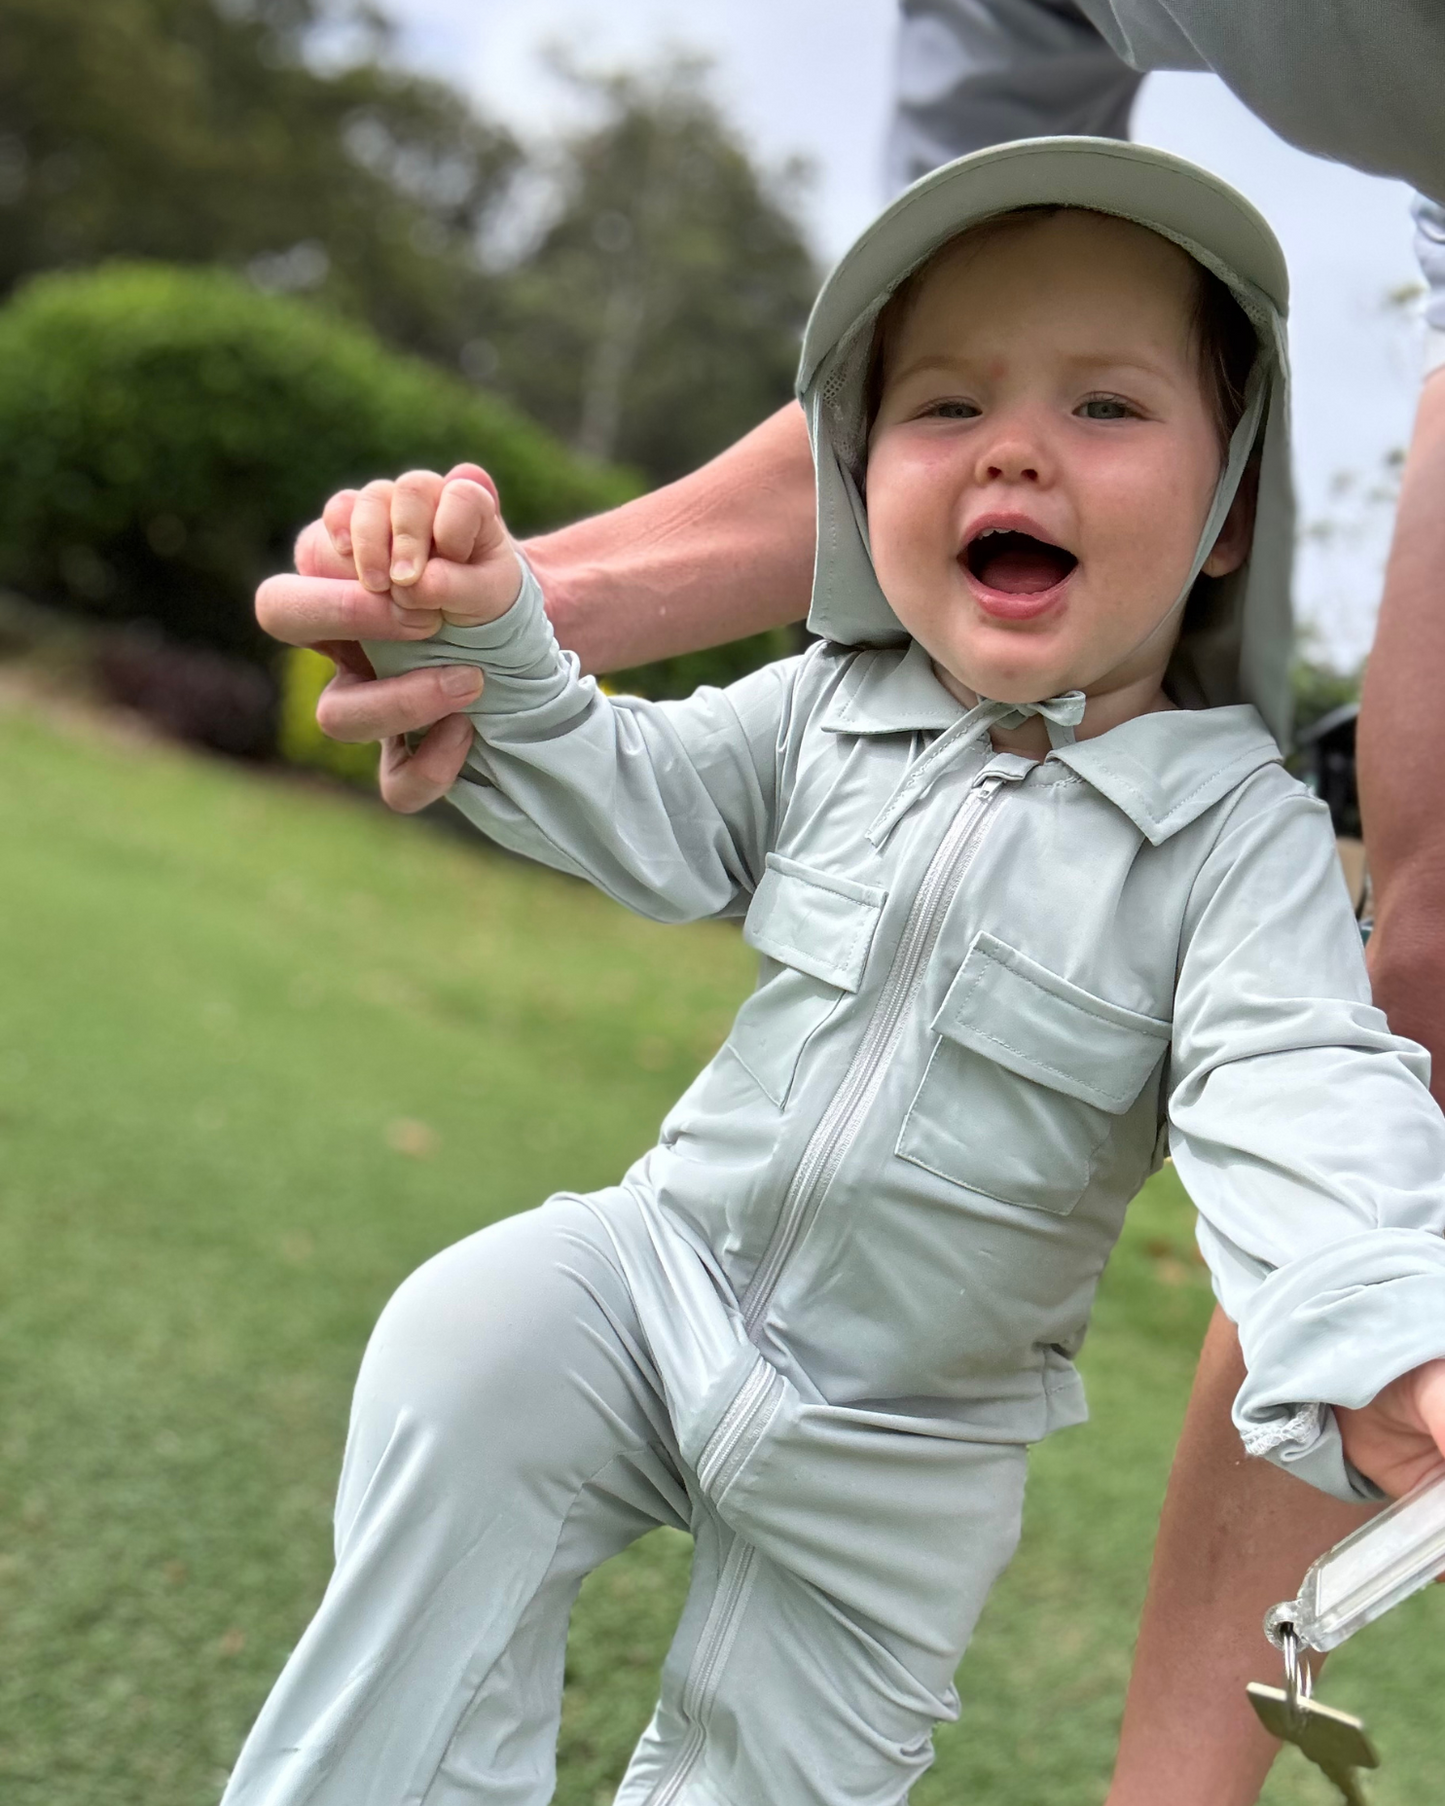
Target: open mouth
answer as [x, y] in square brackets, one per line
[1017, 564]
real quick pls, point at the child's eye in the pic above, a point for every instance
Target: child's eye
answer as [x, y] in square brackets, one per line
[954, 409]
[1105, 407]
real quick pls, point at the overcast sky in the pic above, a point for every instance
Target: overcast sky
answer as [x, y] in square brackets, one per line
[814, 76]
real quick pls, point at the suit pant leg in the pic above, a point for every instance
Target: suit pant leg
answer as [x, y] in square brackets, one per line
[508, 1434]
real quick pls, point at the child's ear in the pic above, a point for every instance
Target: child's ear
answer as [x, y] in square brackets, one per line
[1237, 534]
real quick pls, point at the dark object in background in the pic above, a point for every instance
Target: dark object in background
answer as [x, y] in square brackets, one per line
[193, 694]
[1326, 759]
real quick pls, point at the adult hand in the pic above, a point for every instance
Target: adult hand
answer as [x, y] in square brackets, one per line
[325, 607]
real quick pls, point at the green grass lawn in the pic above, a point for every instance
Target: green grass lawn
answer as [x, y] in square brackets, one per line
[262, 1050]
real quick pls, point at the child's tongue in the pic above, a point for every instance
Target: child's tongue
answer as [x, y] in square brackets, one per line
[1018, 564]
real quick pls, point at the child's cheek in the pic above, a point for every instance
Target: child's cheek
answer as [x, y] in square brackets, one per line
[913, 503]
[1145, 512]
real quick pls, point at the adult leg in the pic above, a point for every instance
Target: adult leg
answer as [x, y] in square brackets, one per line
[1235, 1537]
[508, 1434]
[1402, 750]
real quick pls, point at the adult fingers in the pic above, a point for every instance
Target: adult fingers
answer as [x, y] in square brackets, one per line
[371, 535]
[316, 554]
[465, 507]
[414, 500]
[305, 610]
[356, 709]
[336, 519]
[411, 780]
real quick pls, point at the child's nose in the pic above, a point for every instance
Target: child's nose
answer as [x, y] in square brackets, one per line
[1016, 471]
[1013, 458]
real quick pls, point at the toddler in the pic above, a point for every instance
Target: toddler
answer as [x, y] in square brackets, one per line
[1032, 893]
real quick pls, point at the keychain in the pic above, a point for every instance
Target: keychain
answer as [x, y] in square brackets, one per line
[1357, 1581]
[1334, 1741]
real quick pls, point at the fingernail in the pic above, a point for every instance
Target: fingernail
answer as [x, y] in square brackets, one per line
[403, 571]
[342, 542]
[458, 681]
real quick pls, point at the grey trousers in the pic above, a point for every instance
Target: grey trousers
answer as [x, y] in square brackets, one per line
[532, 1401]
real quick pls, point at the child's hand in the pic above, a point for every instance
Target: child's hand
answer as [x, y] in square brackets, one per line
[1399, 1437]
[437, 544]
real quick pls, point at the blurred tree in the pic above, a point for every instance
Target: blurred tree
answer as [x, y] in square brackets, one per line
[654, 317]
[208, 130]
[658, 316]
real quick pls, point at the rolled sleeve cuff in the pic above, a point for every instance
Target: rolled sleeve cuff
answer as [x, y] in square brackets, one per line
[527, 673]
[1335, 1328]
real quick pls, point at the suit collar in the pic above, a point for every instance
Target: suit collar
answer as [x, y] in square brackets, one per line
[1162, 770]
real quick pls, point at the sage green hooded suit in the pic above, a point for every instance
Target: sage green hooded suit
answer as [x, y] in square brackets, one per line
[818, 1324]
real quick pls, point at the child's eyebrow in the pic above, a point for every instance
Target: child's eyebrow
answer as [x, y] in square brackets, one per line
[958, 363]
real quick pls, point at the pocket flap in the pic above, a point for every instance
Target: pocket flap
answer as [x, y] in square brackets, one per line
[1016, 1012]
[816, 922]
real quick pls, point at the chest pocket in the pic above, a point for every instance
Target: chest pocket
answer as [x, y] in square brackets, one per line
[1029, 1077]
[815, 929]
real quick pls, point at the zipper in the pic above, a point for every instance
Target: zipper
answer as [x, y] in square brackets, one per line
[838, 1127]
[716, 1456]
[713, 1647]
[825, 1152]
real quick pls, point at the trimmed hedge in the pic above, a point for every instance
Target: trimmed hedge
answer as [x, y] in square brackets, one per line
[165, 431]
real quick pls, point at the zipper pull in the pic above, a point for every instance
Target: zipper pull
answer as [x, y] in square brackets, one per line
[1004, 768]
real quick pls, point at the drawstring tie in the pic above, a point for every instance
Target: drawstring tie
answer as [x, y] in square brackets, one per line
[1061, 715]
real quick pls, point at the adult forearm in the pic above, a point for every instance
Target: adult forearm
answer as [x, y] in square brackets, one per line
[1402, 750]
[724, 552]
[1235, 1536]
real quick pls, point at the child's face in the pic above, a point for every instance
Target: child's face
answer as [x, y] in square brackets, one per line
[1043, 458]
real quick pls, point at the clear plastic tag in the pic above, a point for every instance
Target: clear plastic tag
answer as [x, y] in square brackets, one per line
[1372, 1570]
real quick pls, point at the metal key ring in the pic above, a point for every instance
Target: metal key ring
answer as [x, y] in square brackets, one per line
[1298, 1680]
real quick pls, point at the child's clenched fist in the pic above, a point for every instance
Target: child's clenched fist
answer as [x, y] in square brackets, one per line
[437, 544]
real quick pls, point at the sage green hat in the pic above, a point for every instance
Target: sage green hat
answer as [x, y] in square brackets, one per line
[1238, 630]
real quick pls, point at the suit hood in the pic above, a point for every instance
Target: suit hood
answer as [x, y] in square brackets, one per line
[1237, 637]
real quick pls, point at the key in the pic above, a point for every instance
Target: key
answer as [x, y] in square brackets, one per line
[1334, 1741]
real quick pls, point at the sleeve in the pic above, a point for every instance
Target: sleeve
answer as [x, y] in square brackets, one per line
[971, 73]
[667, 807]
[1305, 1133]
[1430, 250]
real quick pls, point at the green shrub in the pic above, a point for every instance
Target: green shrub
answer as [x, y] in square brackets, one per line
[165, 431]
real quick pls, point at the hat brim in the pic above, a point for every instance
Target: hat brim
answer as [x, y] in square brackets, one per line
[1132, 181]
